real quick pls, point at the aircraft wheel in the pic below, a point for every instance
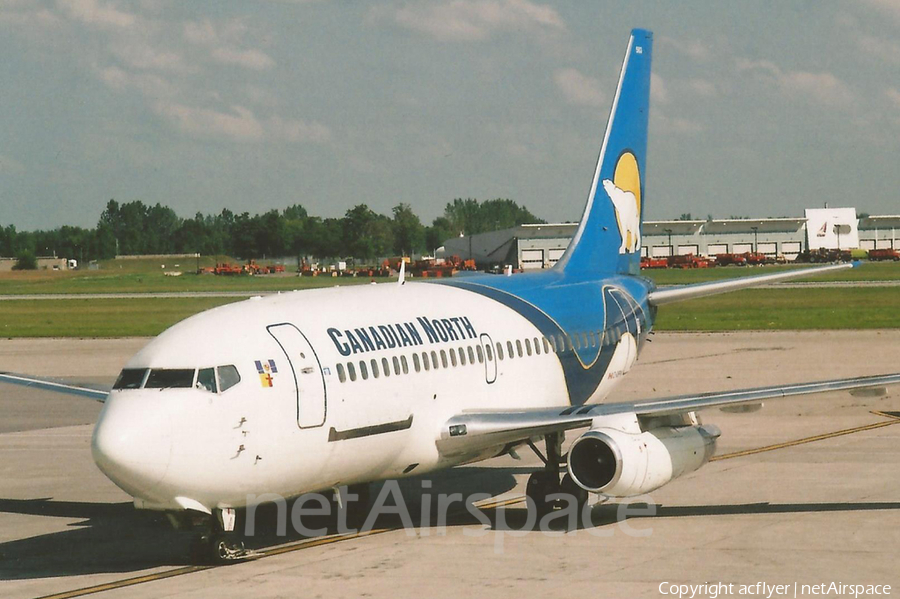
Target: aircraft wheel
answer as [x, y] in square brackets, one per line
[568, 486]
[540, 485]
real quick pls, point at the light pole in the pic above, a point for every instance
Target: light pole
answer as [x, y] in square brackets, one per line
[755, 239]
[671, 248]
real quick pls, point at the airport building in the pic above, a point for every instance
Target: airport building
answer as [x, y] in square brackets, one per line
[540, 246]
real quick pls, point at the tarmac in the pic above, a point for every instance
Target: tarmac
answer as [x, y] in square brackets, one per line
[804, 491]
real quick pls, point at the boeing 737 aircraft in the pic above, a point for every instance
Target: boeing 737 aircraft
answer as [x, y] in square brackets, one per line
[326, 388]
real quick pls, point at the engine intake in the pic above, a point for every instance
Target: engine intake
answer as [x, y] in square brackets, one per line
[619, 464]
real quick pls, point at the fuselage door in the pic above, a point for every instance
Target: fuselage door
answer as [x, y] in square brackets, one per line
[309, 383]
[490, 358]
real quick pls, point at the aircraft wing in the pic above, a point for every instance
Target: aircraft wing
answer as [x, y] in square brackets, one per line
[685, 292]
[53, 385]
[474, 431]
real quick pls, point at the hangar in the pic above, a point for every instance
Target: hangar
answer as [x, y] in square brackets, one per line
[541, 245]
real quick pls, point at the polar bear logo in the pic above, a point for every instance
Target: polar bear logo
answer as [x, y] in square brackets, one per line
[624, 190]
[627, 216]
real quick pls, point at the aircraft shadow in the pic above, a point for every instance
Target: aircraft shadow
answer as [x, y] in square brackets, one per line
[116, 538]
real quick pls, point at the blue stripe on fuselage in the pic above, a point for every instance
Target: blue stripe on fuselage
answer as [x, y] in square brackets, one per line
[559, 305]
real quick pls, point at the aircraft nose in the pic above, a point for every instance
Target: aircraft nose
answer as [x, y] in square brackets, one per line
[130, 448]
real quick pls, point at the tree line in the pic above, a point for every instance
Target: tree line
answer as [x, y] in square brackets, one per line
[135, 228]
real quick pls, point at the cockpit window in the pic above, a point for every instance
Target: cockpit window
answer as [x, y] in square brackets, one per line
[169, 378]
[130, 378]
[228, 377]
[206, 379]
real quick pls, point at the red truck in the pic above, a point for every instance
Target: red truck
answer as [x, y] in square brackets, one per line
[727, 259]
[886, 254]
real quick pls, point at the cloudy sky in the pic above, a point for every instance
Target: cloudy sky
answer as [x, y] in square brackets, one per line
[759, 108]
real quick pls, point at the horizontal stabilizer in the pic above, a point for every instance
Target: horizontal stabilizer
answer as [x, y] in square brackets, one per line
[686, 292]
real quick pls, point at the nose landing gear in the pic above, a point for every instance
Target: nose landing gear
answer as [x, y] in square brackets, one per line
[217, 541]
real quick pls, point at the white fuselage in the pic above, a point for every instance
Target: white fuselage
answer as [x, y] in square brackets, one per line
[296, 422]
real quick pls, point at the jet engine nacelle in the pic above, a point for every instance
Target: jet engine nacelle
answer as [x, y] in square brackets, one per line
[619, 464]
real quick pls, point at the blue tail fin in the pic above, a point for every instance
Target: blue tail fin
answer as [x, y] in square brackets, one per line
[608, 239]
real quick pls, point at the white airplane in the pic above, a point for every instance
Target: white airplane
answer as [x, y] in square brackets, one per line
[320, 389]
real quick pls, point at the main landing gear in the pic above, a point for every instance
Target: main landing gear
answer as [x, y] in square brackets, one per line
[544, 484]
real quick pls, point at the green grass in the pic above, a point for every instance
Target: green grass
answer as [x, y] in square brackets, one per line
[869, 271]
[756, 309]
[98, 318]
[786, 309]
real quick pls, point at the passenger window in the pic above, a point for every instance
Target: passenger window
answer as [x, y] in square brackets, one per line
[499, 351]
[462, 356]
[546, 345]
[490, 353]
[425, 361]
[528, 346]
[519, 347]
[404, 364]
[131, 378]
[584, 341]
[363, 370]
[591, 341]
[577, 340]
[228, 377]
[453, 358]
[480, 353]
[351, 370]
[206, 379]
[471, 355]
[374, 368]
[509, 349]
[537, 346]
[396, 365]
[386, 366]
[416, 364]
[562, 343]
[443, 358]
[434, 361]
[342, 374]
[553, 343]
[165, 378]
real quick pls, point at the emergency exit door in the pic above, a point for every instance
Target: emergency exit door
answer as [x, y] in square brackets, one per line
[309, 382]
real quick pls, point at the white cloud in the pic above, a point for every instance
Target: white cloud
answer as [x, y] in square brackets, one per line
[880, 49]
[148, 84]
[11, 165]
[473, 20]
[251, 59]
[224, 42]
[823, 87]
[889, 7]
[893, 95]
[665, 124]
[658, 91]
[93, 13]
[239, 124]
[579, 89]
[141, 54]
[296, 131]
[702, 87]
[692, 48]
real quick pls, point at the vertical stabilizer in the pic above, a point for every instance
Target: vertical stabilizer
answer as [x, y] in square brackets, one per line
[608, 240]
